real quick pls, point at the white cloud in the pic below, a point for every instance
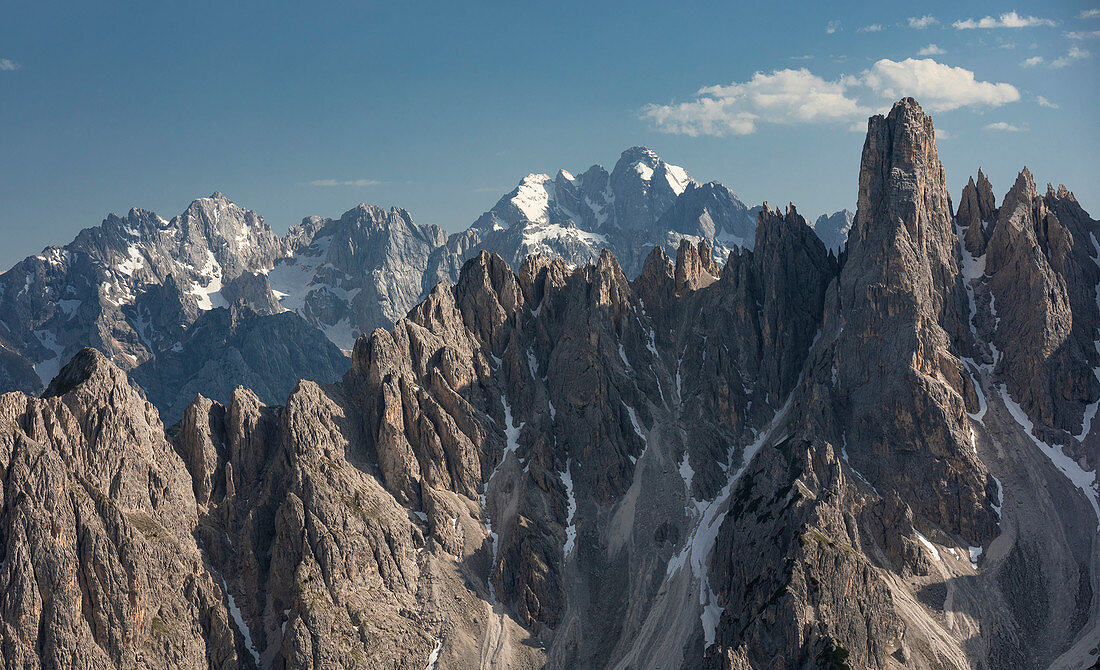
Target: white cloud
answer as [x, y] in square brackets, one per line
[1089, 14]
[1082, 34]
[805, 57]
[832, 26]
[1074, 54]
[931, 50]
[344, 182]
[8, 65]
[1043, 102]
[922, 22]
[1007, 127]
[1033, 61]
[1006, 20]
[784, 97]
[873, 28]
[799, 96]
[938, 87]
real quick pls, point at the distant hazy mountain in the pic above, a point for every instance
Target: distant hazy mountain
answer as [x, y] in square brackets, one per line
[833, 228]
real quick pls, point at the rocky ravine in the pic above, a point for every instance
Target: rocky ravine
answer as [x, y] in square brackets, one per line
[787, 461]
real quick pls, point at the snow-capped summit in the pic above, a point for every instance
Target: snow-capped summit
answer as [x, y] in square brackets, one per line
[643, 201]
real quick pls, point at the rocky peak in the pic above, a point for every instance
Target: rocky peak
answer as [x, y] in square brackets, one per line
[100, 563]
[791, 269]
[904, 312]
[87, 366]
[645, 187]
[217, 233]
[1017, 221]
[976, 214]
[905, 210]
[1043, 279]
[489, 298]
[987, 203]
[695, 267]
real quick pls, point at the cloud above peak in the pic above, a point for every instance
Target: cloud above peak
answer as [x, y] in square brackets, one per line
[792, 96]
[939, 87]
[8, 65]
[783, 97]
[1006, 20]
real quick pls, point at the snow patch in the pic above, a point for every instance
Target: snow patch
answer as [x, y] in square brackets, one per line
[975, 552]
[48, 368]
[537, 237]
[434, 656]
[342, 333]
[686, 472]
[637, 429]
[571, 520]
[532, 364]
[533, 196]
[931, 547]
[652, 343]
[209, 296]
[292, 278]
[69, 308]
[134, 261]
[242, 626]
[677, 178]
[1000, 498]
[511, 434]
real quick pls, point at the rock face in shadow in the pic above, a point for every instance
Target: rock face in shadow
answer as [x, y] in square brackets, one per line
[226, 348]
[1043, 277]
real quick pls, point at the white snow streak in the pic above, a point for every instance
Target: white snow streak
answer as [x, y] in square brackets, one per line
[700, 543]
[571, 527]
[434, 656]
[1078, 476]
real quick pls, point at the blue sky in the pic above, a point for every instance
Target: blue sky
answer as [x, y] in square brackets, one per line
[441, 108]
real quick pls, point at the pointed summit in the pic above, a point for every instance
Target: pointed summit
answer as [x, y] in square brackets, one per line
[905, 316]
[976, 214]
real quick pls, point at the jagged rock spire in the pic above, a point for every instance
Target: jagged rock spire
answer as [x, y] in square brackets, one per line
[905, 316]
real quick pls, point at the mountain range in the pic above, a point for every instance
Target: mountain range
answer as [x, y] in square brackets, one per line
[149, 293]
[710, 453]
